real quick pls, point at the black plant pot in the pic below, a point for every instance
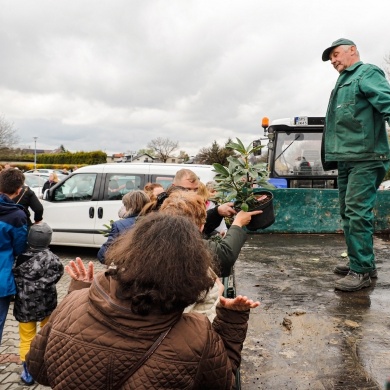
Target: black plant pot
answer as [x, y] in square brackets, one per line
[267, 217]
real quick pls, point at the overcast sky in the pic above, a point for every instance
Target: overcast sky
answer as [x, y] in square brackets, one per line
[113, 75]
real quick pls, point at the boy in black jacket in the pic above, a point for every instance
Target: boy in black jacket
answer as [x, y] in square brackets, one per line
[36, 272]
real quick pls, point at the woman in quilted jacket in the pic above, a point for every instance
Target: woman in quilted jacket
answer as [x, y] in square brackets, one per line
[98, 334]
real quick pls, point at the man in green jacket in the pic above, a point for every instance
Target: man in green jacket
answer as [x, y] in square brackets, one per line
[356, 140]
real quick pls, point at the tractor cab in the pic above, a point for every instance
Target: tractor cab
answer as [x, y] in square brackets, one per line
[294, 153]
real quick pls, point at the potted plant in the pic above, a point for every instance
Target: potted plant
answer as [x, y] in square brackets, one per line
[238, 183]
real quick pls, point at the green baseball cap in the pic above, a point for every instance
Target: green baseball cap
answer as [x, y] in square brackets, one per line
[339, 42]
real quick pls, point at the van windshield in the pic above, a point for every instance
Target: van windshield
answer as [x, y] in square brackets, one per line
[77, 187]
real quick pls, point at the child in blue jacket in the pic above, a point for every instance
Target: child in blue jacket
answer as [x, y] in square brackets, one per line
[13, 236]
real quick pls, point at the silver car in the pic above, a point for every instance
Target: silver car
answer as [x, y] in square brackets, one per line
[35, 182]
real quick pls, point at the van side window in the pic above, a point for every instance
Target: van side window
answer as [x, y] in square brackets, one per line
[165, 180]
[118, 185]
[78, 187]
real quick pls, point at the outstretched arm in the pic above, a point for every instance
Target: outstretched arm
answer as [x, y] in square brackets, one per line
[231, 323]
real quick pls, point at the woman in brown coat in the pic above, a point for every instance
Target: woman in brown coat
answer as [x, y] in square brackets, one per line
[97, 335]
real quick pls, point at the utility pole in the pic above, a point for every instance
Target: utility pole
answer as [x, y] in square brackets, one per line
[35, 152]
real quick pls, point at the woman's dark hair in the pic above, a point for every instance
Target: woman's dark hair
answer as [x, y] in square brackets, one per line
[162, 264]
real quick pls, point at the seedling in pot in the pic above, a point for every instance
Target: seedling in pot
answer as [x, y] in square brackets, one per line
[236, 181]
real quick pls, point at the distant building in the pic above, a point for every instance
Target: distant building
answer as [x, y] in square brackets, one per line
[32, 151]
[142, 158]
[117, 157]
[175, 160]
[128, 158]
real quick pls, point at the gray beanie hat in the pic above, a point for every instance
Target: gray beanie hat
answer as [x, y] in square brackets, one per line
[39, 236]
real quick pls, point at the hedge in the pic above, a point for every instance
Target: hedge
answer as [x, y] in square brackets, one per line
[77, 158]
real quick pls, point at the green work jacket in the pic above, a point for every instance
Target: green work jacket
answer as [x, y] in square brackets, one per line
[355, 120]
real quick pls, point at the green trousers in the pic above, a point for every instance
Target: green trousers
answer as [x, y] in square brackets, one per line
[358, 182]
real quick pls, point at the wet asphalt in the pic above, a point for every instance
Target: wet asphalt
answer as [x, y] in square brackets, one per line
[306, 335]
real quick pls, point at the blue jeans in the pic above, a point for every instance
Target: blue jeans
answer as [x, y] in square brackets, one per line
[358, 182]
[4, 305]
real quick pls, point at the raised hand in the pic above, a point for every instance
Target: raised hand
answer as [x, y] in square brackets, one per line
[77, 271]
[239, 303]
[226, 210]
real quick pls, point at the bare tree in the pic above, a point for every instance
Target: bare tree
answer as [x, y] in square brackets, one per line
[163, 147]
[183, 156]
[8, 136]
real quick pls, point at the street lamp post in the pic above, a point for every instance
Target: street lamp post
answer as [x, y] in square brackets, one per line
[35, 152]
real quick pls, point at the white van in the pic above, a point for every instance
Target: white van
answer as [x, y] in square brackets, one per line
[78, 207]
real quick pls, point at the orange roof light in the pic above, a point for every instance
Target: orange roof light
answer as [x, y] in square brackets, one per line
[265, 122]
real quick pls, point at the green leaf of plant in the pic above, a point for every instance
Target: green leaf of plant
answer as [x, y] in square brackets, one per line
[244, 207]
[242, 146]
[231, 196]
[220, 169]
[239, 147]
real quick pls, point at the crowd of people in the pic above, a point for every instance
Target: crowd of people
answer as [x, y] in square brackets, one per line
[162, 272]
[156, 316]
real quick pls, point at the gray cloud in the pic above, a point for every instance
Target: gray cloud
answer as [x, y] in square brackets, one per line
[114, 75]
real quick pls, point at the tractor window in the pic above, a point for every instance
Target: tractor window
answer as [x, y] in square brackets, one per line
[298, 154]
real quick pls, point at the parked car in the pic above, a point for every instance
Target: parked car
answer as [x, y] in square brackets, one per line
[46, 172]
[40, 170]
[78, 207]
[35, 182]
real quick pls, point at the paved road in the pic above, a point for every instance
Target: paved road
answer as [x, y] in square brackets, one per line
[305, 335]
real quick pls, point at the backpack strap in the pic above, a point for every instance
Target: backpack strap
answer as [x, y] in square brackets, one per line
[21, 195]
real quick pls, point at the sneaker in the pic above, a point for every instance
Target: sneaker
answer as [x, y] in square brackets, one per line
[343, 269]
[26, 376]
[353, 282]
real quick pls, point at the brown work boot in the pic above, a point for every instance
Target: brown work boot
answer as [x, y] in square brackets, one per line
[353, 282]
[343, 269]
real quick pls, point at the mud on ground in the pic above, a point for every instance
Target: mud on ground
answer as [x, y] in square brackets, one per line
[306, 335]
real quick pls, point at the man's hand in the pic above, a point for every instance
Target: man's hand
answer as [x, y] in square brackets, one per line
[76, 270]
[238, 303]
[244, 217]
[226, 210]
